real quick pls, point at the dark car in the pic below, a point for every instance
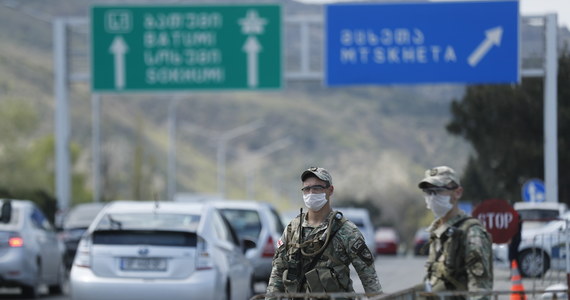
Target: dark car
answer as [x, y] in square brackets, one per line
[75, 222]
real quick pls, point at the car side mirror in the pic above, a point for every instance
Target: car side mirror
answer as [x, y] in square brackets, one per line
[6, 211]
[248, 244]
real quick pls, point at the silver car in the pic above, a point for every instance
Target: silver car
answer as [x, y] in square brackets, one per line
[259, 222]
[31, 255]
[160, 250]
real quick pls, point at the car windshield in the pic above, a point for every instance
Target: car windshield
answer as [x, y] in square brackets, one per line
[538, 214]
[81, 217]
[142, 221]
[245, 222]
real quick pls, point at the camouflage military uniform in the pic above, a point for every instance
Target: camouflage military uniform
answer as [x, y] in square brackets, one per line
[332, 269]
[467, 263]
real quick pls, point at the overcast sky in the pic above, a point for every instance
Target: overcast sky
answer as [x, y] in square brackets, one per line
[561, 7]
[527, 7]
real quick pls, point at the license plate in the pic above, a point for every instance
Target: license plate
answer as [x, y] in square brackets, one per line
[143, 264]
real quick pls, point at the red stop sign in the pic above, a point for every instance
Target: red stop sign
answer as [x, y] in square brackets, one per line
[499, 218]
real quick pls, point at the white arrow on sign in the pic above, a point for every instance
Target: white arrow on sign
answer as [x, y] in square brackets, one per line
[493, 37]
[252, 49]
[118, 49]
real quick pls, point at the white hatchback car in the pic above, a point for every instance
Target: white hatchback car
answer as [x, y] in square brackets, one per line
[160, 250]
[259, 222]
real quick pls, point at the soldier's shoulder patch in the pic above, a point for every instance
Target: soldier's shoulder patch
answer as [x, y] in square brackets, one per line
[361, 250]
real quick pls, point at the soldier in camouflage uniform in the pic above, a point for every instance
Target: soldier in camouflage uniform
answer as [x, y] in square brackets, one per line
[317, 247]
[460, 255]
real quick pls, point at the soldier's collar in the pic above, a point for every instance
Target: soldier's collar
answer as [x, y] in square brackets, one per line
[323, 224]
[438, 228]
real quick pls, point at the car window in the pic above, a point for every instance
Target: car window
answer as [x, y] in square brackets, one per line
[13, 219]
[538, 214]
[127, 221]
[39, 220]
[246, 223]
[155, 238]
[277, 220]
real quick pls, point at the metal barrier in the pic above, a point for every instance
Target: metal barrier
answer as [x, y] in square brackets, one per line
[413, 294]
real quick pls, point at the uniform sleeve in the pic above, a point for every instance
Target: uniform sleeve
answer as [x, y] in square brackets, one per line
[279, 265]
[363, 261]
[478, 261]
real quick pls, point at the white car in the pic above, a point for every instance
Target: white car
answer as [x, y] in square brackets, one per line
[541, 248]
[259, 222]
[361, 218]
[160, 250]
[30, 252]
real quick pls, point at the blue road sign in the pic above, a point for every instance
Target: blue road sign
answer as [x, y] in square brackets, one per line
[533, 191]
[468, 42]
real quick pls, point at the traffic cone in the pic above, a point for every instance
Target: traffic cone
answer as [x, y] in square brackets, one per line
[516, 281]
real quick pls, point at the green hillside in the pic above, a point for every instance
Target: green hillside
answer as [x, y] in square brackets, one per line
[376, 141]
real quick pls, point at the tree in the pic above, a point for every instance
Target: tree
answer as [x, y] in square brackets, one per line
[27, 168]
[504, 124]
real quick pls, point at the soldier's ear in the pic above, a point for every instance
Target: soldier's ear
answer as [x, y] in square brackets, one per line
[458, 192]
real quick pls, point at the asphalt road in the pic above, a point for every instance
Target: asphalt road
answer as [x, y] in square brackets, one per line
[396, 273]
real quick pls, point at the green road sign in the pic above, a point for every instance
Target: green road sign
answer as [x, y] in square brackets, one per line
[160, 48]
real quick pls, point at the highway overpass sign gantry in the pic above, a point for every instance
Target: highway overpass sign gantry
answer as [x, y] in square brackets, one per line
[170, 48]
[435, 42]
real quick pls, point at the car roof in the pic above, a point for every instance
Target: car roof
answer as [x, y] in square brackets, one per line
[164, 206]
[540, 205]
[353, 212]
[19, 203]
[249, 204]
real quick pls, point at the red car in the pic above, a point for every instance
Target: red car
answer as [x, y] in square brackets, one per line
[387, 241]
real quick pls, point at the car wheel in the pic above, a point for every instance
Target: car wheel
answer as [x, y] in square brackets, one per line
[228, 291]
[251, 287]
[533, 263]
[30, 291]
[57, 289]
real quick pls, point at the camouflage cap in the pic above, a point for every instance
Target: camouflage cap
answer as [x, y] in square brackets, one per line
[439, 176]
[321, 174]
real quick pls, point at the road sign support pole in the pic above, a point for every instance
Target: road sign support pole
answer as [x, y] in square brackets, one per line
[96, 144]
[62, 158]
[172, 151]
[550, 110]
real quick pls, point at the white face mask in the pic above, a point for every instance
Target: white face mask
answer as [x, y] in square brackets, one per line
[315, 201]
[439, 204]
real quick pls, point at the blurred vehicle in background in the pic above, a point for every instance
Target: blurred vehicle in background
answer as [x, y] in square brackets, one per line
[74, 224]
[542, 236]
[288, 216]
[541, 248]
[421, 240]
[361, 218]
[259, 222]
[387, 241]
[536, 214]
[30, 252]
[161, 250]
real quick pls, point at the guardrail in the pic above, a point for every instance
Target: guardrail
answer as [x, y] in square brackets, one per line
[413, 294]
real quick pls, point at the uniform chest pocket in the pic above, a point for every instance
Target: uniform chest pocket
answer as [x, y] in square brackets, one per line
[326, 280]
